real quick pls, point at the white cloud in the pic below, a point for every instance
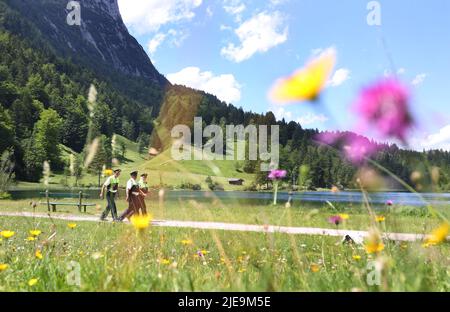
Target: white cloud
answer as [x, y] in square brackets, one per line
[320, 51]
[225, 27]
[281, 113]
[305, 120]
[317, 52]
[225, 87]
[400, 71]
[440, 140]
[234, 7]
[277, 2]
[340, 76]
[419, 79]
[209, 12]
[176, 38]
[260, 33]
[155, 42]
[311, 118]
[147, 16]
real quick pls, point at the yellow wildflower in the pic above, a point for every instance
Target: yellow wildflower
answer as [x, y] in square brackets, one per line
[72, 225]
[3, 267]
[165, 261]
[374, 247]
[108, 172]
[437, 236]
[35, 233]
[307, 83]
[344, 216]
[356, 257]
[374, 243]
[186, 242]
[7, 234]
[38, 254]
[380, 219]
[32, 282]
[242, 270]
[141, 222]
[315, 268]
[31, 238]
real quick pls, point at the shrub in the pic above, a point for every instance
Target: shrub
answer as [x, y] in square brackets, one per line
[190, 186]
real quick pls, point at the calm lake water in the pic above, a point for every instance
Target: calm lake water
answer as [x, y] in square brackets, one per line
[409, 199]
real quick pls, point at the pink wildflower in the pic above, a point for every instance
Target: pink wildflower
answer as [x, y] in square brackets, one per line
[385, 106]
[356, 148]
[336, 220]
[277, 174]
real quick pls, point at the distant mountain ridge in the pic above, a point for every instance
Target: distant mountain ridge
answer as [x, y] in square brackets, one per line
[101, 39]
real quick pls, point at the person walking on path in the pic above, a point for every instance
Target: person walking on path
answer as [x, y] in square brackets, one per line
[111, 186]
[143, 187]
[132, 196]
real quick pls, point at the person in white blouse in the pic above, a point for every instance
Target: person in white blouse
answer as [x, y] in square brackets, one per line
[111, 186]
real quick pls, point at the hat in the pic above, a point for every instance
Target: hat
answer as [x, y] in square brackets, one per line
[134, 173]
[117, 170]
[144, 175]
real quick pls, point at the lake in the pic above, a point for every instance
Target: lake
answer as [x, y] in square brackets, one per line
[399, 198]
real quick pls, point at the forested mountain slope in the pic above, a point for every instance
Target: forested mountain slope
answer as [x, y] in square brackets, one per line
[47, 68]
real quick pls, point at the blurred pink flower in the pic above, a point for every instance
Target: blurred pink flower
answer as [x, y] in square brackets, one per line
[336, 220]
[329, 138]
[390, 203]
[277, 174]
[356, 148]
[385, 106]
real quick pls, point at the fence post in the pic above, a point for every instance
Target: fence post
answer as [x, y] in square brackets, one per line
[80, 200]
[48, 200]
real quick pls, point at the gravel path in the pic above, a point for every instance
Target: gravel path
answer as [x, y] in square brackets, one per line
[357, 236]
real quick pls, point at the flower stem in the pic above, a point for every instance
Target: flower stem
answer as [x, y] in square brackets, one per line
[275, 194]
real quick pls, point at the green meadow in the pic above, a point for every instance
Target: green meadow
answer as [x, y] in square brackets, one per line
[399, 219]
[106, 256]
[115, 257]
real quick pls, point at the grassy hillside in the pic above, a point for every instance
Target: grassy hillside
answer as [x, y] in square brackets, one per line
[162, 170]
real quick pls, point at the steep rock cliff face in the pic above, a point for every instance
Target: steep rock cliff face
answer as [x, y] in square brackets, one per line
[101, 41]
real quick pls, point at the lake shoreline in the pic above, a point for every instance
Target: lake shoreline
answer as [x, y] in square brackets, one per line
[265, 197]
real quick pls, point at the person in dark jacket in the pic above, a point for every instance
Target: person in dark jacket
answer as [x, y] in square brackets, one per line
[132, 196]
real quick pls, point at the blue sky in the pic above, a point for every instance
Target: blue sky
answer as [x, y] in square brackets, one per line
[237, 49]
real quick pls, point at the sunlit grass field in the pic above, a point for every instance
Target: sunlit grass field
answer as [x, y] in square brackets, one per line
[114, 257]
[398, 219]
